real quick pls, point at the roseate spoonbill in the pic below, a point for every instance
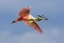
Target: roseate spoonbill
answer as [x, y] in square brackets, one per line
[28, 19]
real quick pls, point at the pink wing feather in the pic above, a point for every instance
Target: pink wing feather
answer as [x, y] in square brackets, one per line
[33, 25]
[24, 11]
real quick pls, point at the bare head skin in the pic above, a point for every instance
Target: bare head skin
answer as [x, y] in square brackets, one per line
[18, 19]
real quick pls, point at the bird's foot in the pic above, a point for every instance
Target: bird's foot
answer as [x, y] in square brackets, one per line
[46, 19]
[42, 17]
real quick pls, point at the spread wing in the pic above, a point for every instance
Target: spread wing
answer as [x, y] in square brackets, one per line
[33, 25]
[24, 11]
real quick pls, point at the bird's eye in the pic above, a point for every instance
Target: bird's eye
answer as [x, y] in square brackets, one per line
[19, 19]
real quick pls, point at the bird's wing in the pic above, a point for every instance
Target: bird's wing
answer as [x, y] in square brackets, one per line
[24, 11]
[33, 25]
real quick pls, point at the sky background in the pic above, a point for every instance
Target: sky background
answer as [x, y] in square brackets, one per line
[21, 33]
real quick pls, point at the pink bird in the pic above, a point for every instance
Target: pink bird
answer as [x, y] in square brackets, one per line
[28, 19]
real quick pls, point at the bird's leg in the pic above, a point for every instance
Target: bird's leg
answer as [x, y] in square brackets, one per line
[39, 18]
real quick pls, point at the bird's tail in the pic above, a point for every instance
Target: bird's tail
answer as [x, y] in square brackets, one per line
[30, 21]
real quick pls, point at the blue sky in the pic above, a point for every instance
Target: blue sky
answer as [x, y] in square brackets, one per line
[20, 33]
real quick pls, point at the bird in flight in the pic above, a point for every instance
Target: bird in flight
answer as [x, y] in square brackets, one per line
[28, 19]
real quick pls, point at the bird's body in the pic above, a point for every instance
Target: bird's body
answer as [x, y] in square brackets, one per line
[28, 19]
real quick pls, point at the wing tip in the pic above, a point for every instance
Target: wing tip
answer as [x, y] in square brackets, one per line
[42, 32]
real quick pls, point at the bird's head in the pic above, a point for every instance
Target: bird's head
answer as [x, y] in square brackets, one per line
[18, 19]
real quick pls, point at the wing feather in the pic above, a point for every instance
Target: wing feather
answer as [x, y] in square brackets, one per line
[33, 25]
[24, 12]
